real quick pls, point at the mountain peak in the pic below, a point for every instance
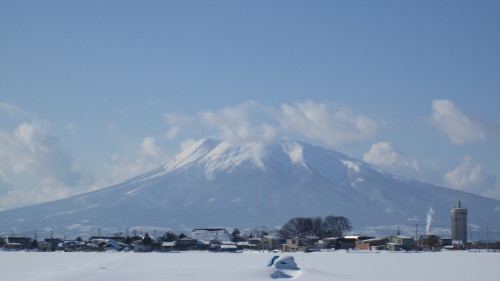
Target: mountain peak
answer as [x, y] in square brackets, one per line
[210, 155]
[214, 182]
[191, 154]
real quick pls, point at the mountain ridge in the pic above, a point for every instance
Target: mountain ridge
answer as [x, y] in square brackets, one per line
[214, 183]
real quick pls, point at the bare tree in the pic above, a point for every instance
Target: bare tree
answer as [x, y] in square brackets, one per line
[169, 236]
[317, 226]
[297, 227]
[259, 231]
[236, 235]
[302, 227]
[336, 225]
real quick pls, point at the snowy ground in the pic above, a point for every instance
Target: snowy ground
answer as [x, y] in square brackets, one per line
[248, 266]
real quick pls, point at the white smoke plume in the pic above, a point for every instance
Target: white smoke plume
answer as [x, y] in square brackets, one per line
[430, 213]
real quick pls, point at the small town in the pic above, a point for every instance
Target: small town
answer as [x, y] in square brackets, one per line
[220, 240]
[297, 235]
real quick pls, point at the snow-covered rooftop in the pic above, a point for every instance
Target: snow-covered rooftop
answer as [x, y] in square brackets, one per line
[169, 244]
[205, 235]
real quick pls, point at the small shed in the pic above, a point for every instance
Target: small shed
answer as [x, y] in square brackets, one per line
[169, 245]
[228, 247]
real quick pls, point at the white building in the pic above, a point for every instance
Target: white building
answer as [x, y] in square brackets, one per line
[459, 223]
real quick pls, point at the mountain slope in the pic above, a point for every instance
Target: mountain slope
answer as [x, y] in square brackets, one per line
[216, 183]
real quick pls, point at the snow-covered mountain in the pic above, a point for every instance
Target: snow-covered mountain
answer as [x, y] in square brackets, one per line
[218, 183]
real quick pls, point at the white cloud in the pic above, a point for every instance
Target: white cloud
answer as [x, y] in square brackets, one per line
[72, 127]
[390, 159]
[334, 125]
[471, 177]
[176, 122]
[12, 110]
[187, 143]
[459, 127]
[149, 148]
[245, 124]
[148, 156]
[385, 154]
[242, 123]
[255, 124]
[468, 176]
[33, 168]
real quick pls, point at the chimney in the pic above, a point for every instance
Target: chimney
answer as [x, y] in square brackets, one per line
[459, 204]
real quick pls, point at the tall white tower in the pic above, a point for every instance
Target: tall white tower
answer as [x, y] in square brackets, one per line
[459, 223]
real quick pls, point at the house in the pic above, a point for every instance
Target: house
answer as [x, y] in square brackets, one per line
[254, 243]
[186, 243]
[71, 245]
[371, 244]
[119, 239]
[13, 247]
[228, 247]
[391, 246]
[78, 246]
[430, 242]
[399, 243]
[18, 243]
[298, 245]
[446, 242]
[214, 245]
[168, 245]
[343, 243]
[140, 247]
[269, 242]
[455, 245]
[108, 244]
[242, 245]
[205, 235]
[50, 244]
[313, 239]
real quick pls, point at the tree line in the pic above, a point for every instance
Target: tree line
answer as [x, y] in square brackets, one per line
[330, 226]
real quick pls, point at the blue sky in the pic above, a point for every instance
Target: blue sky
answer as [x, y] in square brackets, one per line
[95, 92]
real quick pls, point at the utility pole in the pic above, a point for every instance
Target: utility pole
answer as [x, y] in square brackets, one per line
[416, 234]
[487, 240]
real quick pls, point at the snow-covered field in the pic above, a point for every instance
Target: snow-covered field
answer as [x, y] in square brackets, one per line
[248, 266]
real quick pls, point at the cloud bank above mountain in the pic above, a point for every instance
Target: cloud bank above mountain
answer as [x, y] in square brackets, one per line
[333, 125]
[36, 167]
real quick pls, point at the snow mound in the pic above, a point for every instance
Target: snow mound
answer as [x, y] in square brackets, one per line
[284, 267]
